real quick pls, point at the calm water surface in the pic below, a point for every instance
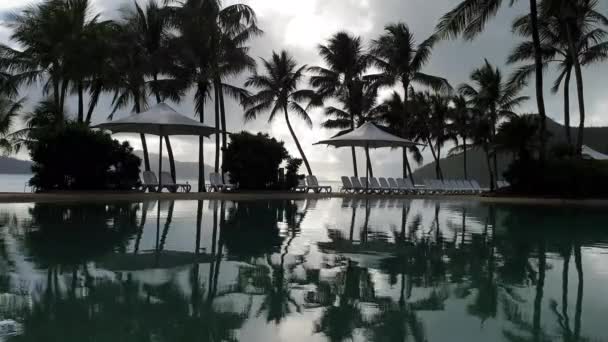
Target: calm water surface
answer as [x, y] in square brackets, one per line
[330, 270]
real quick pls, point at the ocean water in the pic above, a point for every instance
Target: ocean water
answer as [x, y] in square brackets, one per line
[14, 183]
[309, 270]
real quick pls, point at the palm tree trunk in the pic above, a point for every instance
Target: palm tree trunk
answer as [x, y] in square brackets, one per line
[295, 139]
[489, 168]
[406, 166]
[464, 144]
[144, 144]
[567, 106]
[171, 158]
[80, 102]
[538, 62]
[434, 157]
[368, 163]
[201, 155]
[56, 92]
[167, 140]
[579, 89]
[64, 90]
[224, 128]
[439, 162]
[352, 148]
[217, 128]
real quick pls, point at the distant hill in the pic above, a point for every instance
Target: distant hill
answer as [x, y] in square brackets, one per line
[183, 170]
[595, 137]
[15, 166]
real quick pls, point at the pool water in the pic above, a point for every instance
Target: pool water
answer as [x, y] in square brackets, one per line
[310, 270]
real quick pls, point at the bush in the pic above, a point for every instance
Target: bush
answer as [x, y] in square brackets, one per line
[74, 157]
[568, 178]
[291, 172]
[253, 160]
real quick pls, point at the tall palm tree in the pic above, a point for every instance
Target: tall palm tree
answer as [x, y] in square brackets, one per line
[461, 116]
[129, 70]
[279, 91]
[346, 63]
[469, 19]
[150, 26]
[39, 29]
[401, 61]
[492, 97]
[211, 43]
[590, 47]
[440, 129]
[392, 111]
[358, 106]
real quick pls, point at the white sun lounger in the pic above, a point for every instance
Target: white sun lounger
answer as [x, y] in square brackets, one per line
[217, 185]
[301, 187]
[347, 185]
[313, 184]
[386, 186]
[169, 184]
[393, 184]
[357, 187]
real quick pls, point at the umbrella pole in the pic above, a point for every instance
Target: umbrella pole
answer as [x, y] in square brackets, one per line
[160, 163]
[366, 171]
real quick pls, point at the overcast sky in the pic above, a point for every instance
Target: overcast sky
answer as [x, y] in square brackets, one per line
[300, 25]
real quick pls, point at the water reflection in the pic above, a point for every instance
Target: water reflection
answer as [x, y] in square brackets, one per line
[333, 270]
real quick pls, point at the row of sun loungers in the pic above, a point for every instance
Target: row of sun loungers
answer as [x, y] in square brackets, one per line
[216, 184]
[405, 186]
[150, 183]
[311, 183]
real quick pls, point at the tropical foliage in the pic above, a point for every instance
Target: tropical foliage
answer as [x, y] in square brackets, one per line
[161, 51]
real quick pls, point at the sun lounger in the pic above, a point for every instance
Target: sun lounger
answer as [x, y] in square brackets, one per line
[386, 187]
[216, 184]
[357, 187]
[347, 185]
[149, 182]
[313, 184]
[375, 186]
[301, 187]
[169, 184]
[406, 186]
[476, 187]
[393, 184]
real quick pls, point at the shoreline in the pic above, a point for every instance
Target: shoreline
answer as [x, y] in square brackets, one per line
[91, 196]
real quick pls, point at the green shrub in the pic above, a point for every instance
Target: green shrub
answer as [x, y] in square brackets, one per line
[568, 178]
[253, 160]
[291, 172]
[74, 157]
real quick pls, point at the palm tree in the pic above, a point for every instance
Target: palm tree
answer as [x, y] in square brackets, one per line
[401, 62]
[590, 47]
[358, 106]
[492, 97]
[461, 117]
[129, 70]
[211, 43]
[346, 63]
[519, 135]
[9, 111]
[279, 92]
[392, 111]
[150, 26]
[469, 19]
[440, 130]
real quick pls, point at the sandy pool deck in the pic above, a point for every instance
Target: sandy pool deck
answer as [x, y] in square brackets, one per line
[86, 196]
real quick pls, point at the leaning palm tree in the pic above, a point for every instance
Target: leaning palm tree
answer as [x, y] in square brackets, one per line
[346, 63]
[493, 98]
[279, 91]
[401, 61]
[590, 47]
[469, 19]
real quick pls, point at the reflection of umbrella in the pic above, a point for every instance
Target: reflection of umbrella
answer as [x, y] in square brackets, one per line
[161, 120]
[367, 136]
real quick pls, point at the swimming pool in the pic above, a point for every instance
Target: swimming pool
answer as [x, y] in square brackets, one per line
[309, 270]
